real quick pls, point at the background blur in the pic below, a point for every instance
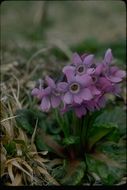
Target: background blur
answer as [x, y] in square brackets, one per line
[29, 29]
[81, 25]
[70, 21]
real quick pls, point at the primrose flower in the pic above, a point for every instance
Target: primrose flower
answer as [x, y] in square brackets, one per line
[50, 96]
[38, 91]
[77, 88]
[115, 75]
[80, 65]
[112, 73]
[97, 103]
[91, 105]
[84, 85]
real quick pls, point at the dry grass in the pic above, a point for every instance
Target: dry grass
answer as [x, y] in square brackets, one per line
[26, 166]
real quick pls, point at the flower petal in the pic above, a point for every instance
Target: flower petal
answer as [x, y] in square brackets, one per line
[47, 90]
[102, 102]
[68, 98]
[45, 104]
[108, 56]
[35, 91]
[120, 73]
[55, 101]
[77, 99]
[39, 93]
[84, 80]
[50, 82]
[114, 79]
[76, 59]
[113, 69]
[62, 86]
[86, 94]
[99, 69]
[104, 83]
[94, 90]
[84, 56]
[117, 90]
[69, 71]
[80, 111]
[88, 60]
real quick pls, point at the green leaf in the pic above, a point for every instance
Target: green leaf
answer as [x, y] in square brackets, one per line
[41, 145]
[53, 128]
[116, 115]
[108, 162]
[71, 140]
[11, 148]
[22, 142]
[60, 171]
[27, 119]
[114, 135]
[74, 173]
[45, 141]
[110, 172]
[114, 151]
[97, 132]
[88, 45]
[23, 121]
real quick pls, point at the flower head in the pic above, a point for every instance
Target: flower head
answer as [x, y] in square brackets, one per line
[112, 73]
[38, 91]
[80, 65]
[84, 85]
[77, 88]
[49, 96]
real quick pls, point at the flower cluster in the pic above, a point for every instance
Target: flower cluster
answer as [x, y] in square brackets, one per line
[84, 85]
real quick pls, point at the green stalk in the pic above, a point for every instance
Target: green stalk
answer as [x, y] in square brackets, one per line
[77, 131]
[85, 127]
[61, 123]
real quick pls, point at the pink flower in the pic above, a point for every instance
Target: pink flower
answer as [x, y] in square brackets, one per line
[114, 74]
[80, 65]
[38, 91]
[49, 96]
[83, 88]
[77, 88]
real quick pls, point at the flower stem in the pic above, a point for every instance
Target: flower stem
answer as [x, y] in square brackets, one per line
[61, 123]
[85, 127]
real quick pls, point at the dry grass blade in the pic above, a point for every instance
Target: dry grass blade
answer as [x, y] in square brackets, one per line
[17, 180]
[16, 98]
[55, 162]
[36, 54]
[16, 164]
[34, 133]
[48, 176]
[40, 161]
[6, 119]
[3, 159]
[10, 172]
